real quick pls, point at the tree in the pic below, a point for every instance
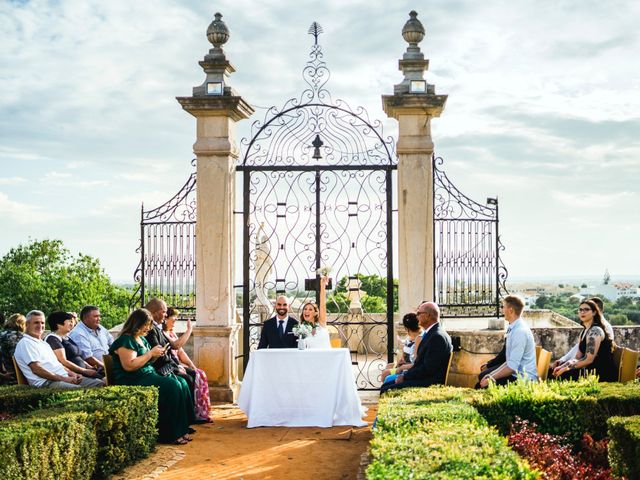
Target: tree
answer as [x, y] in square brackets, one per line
[43, 275]
[541, 301]
[584, 285]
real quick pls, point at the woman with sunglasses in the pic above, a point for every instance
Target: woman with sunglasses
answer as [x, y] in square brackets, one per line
[595, 351]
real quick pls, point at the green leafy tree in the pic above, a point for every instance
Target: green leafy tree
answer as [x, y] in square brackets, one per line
[542, 301]
[43, 275]
[374, 286]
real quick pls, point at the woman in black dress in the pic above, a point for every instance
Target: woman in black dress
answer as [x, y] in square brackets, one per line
[595, 351]
[66, 350]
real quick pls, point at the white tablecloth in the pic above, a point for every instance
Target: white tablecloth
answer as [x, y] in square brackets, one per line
[300, 388]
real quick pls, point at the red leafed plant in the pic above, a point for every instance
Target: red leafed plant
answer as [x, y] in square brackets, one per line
[5, 416]
[554, 457]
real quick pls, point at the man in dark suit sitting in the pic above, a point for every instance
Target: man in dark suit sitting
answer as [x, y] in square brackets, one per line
[432, 359]
[166, 363]
[277, 331]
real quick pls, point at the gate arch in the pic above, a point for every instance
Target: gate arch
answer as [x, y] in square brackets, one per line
[317, 183]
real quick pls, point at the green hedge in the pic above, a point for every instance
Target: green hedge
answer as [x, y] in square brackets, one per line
[439, 435]
[559, 408]
[449, 432]
[61, 446]
[624, 447]
[122, 420]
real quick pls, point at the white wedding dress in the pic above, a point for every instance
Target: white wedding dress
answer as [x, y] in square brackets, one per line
[320, 339]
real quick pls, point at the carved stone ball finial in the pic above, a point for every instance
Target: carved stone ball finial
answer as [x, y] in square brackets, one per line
[218, 33]
[413, 31]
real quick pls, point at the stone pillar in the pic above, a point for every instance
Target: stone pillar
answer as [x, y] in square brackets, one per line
[413, 104]
[217, 108]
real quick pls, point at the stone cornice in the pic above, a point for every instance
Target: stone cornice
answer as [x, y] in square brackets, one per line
[212, 331]
[234, 107]
[413, 104]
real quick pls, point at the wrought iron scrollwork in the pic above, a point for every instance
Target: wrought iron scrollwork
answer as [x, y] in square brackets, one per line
[317, 186]
[470, 277]
[167, 251]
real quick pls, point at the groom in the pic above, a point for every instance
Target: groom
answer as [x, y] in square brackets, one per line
[277, 331]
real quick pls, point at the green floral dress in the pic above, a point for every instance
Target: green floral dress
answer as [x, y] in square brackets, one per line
[175, 406]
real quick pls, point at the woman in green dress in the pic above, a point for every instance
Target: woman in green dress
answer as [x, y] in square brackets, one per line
[132, 365]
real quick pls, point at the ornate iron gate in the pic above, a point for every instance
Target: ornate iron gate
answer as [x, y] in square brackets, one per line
[317, 182]
[167, 267]
[469, 276]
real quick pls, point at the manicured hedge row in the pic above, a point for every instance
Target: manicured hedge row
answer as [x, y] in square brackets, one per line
[61, 446]
[624, 447]
[122, 422]
[439, 435]
[449, 432]
[559, 408]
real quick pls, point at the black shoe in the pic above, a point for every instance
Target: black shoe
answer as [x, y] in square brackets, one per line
[191, 430]
[200, 421]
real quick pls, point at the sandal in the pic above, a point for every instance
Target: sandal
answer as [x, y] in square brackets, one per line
[181, 441]
[187, 437]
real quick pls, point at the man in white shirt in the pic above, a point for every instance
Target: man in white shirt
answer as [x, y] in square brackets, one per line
[92, 338]
[39, 364]
[574, 350]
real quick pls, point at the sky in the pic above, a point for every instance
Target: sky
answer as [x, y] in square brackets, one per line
[543, 112]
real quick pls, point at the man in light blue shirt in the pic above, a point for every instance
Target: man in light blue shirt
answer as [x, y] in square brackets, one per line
[520, 348]
[92, 338]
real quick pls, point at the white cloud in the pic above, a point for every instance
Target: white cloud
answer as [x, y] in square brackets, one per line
[12, 180]
[22, 213]
[591, 200]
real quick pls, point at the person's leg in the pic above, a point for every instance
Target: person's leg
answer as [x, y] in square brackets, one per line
[61, 385]
[91, 382]
[485, 372]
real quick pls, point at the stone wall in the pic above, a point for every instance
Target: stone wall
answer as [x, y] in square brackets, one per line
[477, 347]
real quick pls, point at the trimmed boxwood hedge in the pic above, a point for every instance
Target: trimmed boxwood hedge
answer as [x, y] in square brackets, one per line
[121, 421]
[439, 435]
[449, 432]
[624, 447]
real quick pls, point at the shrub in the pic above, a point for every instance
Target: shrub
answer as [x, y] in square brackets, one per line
[426, 433]
[553, 455]
[60, 446]
[624, 447]
[559, 408]
[123, 419]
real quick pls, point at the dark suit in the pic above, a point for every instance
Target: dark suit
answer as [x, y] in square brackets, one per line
[156, 337]
[270, 338]
[432, 361]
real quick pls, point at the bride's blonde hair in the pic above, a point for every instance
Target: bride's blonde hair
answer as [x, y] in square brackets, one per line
[316, 311]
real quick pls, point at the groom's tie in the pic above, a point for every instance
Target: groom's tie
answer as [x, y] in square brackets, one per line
[281, 328]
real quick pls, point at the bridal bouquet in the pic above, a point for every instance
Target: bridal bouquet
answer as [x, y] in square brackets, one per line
[302, 330]
[324, 271]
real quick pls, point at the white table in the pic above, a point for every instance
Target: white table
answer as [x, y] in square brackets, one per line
[287, 387]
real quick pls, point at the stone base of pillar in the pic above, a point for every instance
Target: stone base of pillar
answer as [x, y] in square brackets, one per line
[224, 394]
[215, 349]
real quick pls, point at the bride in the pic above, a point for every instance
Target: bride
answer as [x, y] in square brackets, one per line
[317, 317]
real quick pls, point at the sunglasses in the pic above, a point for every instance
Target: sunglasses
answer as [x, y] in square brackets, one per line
[585, 310]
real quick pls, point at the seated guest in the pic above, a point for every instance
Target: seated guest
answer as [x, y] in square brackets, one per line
[9, 337]
[595, 350]
[39, 364]
[519, 351]
[432, 356]
[409, 347]
[66, 350]
[91, 337]
[166, 364]
[202, 402]
[133, 359]
[571, 354]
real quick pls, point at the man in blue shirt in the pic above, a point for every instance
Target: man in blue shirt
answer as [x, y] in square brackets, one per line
[92, 338]
[520, 349]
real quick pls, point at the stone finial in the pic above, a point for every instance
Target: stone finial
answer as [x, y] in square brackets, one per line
[215, 63]
[218, 33]
[413, 31]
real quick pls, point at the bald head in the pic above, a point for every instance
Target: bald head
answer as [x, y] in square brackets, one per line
[158, 309]
[282, 306]
[428, 314]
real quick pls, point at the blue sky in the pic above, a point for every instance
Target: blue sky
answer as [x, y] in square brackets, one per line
[543, 111]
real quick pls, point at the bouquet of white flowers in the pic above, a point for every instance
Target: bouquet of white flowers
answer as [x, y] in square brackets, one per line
[324, 271]
[302, 330]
